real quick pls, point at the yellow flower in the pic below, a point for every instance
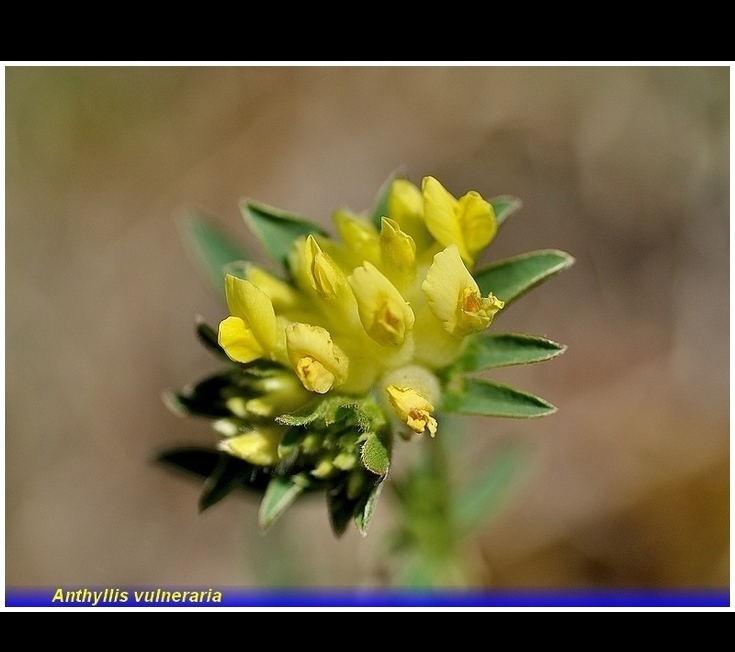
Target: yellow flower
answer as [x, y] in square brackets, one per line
[318, 362]
[260, 446]
[385, 315]
[413, 408]
[468, 222]
[454, 298]
[250, 332]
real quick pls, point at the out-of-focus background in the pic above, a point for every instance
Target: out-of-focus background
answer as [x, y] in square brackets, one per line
[626, 168]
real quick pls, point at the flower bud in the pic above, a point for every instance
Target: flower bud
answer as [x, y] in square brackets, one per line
[385, 315]
[317, 360]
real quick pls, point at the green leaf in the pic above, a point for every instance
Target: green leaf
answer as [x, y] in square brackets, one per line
[485, 398]
[291, 441]
[365, 513]
[511, 278]
[202, 463]
[209, 338]
[207, 398]
[374, 455]
[229, 475]
[191, 460]
[324, 408]
[480, 499]
[279, 496]
[380, 209]
[276, 229]
[328, 410]
[504, 350]
[341, 509]
[504, 206]
[211, 249]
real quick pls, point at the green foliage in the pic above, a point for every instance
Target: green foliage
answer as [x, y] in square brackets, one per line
[279, 496]
[211, 249]
[208, 464]
[504, 350]
[380, 208]
[504, 206]
[486, 398]
[209, 340]
[480, 498]
[374, 455]
[276, 229]
[511, 278]
[364, 514]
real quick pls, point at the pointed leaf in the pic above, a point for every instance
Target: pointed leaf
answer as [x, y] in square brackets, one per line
[480, 499]
[341, 509]
[328, 410]
[511, 278]
[276, 229]
[374, 455]
[192, 460]
[279, 496]
[504, 350]
[380, 209]
[211, 249]
[209, 338]
[205, 399]
[229, 475]
[320, 408]
[202, 463]
[291, 441]
[365, 514]
[504, 206]
[485, 398]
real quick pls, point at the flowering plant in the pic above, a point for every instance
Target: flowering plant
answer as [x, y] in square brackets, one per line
[355, 343]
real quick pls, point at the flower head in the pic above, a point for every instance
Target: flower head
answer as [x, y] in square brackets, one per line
[364, 334]
[354, 318]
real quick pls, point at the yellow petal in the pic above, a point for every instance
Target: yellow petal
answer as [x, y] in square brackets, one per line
[397, 252]
[322, 273]
[453, 296]
[359, 237]
[282, 295]
[440, 213]
[412, 408]
[238, 341]
[257, 447]
[477, 222]
[318, 362]
[384, 313]
[406, 207]
[254, 308]
[468, 222]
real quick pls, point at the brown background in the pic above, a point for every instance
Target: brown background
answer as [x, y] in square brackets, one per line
[627, 168]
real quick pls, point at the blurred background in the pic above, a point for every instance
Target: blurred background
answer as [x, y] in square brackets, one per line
[626, 168]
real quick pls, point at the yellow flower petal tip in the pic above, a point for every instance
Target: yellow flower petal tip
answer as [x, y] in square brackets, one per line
[397, 252]
[323, 275]
[412, 408]
[468, 222]
[237, 339]
[257, 447]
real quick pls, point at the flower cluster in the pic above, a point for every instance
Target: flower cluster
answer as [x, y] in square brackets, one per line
[380, 310]
[365, 335]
